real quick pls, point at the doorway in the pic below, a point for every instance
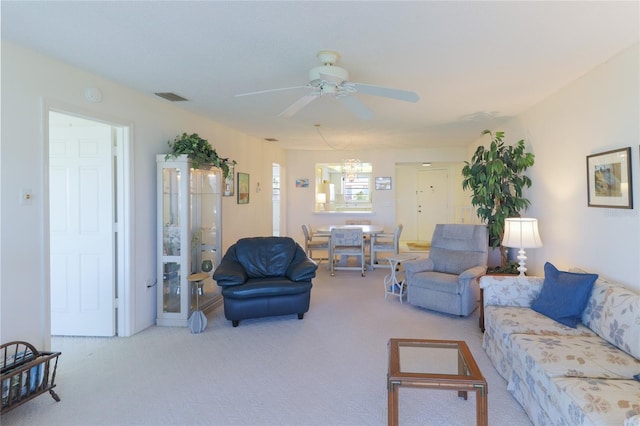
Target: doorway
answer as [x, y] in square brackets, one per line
[88, 240]
[423, 199]
[432, 201]
[276, 199]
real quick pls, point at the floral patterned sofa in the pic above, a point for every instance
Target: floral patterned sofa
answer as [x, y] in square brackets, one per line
[588, 375]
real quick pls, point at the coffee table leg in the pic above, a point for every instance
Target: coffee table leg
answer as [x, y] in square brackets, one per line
[482, 415]
[392, 409]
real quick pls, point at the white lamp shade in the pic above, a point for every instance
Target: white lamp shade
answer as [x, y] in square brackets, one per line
[321, 198]
[521, 232]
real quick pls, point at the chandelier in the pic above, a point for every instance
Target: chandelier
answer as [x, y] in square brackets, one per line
[350, 169]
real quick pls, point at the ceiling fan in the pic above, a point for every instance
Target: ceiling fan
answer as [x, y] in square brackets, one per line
[329, 79]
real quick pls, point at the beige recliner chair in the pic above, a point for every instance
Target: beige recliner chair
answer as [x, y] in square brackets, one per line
[448, 280]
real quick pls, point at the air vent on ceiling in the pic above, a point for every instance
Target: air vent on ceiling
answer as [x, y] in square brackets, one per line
[271, 139]
[172, 97]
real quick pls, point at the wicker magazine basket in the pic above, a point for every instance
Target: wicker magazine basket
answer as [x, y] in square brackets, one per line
[26, 373]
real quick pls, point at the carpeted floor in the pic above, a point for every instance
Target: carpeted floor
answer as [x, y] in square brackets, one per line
[328, 369]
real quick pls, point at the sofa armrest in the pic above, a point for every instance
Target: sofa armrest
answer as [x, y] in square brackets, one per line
[301, 268]
[230, 272]
[419, 265]
[510, 290]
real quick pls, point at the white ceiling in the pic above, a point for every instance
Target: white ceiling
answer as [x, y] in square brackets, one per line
[472, 63]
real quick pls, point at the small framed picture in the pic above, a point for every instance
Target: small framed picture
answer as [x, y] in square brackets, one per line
[609, 179]
[229, 184]
[243, 188]
[302, 183]
[383, 183]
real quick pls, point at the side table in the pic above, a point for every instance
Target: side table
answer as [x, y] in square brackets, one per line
[198, 320]
[395, 283]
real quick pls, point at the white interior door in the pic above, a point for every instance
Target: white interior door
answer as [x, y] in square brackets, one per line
[432, 201]
[81, 212]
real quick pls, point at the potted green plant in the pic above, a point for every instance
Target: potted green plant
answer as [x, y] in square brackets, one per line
[496, 178]
[199, 151]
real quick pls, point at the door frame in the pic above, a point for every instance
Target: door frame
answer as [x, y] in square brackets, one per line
[124, 258]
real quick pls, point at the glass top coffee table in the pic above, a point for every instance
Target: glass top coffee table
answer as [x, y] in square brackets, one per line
[434, 364]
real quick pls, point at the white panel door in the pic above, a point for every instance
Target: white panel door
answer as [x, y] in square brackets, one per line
[433, 201]
[81, 231]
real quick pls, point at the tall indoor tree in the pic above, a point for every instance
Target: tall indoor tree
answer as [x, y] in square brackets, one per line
[496, 178]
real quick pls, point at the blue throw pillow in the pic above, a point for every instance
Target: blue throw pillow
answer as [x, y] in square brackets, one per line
[564, 295]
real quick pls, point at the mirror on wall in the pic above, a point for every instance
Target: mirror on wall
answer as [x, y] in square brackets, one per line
[344, 187]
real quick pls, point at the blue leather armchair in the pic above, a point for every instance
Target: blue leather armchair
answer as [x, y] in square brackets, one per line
[265, 276]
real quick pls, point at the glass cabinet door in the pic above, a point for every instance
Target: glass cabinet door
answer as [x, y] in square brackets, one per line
[171, 248]
[206, 186]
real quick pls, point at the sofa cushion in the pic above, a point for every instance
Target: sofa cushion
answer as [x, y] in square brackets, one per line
[573, 356]
[503, 321]
[265, 287]
[613, 312]
[599, 402]
[564, 295]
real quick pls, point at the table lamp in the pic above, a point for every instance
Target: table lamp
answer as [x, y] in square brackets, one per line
[522, 233]
[321, 199]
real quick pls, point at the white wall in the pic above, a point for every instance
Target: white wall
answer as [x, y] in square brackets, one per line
[596, 113]
[301, 164]
[28, 79]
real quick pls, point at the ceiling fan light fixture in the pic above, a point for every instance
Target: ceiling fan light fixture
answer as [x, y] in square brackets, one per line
[318, 75]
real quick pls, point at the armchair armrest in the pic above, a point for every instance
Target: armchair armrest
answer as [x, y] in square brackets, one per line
[510, 290]
[419, 265]
[473, 273]
[301, 268]
[230, 272]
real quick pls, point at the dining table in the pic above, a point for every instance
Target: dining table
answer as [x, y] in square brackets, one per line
[370, 230]
[367, 230]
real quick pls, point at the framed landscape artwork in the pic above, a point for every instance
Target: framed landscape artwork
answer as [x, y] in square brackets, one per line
[609, 179]
[243, 188]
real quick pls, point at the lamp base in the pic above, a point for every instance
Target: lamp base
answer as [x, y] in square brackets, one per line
[522, 258]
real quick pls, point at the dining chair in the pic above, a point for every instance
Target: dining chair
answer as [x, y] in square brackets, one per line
[385, 242]
[311, 244]
[345, 242]
[367, 238]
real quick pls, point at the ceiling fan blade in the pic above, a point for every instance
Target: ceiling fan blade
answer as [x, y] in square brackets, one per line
[356, 107]
[272, 90]
[298, 105]
[402, 95]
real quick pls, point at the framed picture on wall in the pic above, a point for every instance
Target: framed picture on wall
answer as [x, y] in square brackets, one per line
[383, 183]
[609, 179]
[229, 184]
[243, 188]
[302, 183]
